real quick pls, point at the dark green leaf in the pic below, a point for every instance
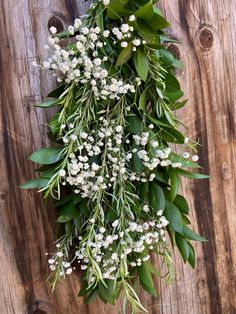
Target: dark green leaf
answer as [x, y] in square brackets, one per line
[143, 99]
[136, 163]
[46, 156]
[109, 292]
[145, 11]
[67, 213]
[134, 124]
[145, 278]
[183, 247]
[143, 189]
[156, 197]
[125, 55]
[177, 105]
[175, 184]
[141, 63]
[116, 9]
[160, 177]
[38, 183]
[99, 17]
[191, 175]
[49, 103]
[56, 93]
[174, 217]
[158, 22]
[182, 204]
[191, 259]
[189, 234]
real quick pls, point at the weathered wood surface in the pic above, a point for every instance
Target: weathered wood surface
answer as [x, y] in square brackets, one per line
[207, 32]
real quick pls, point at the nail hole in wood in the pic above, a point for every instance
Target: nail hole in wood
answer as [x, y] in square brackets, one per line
[206, 38]
[174, 50]
[56, 22]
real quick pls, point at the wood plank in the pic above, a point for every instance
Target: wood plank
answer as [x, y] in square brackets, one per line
[205, 30]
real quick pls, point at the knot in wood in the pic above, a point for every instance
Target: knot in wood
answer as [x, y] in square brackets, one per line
[56, 22]
[226, 171]
[206, 38]
[174, 50]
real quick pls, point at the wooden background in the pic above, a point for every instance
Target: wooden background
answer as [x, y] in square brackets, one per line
[207, 32]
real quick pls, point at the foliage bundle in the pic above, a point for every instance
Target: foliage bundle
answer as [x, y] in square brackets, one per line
[115, 170]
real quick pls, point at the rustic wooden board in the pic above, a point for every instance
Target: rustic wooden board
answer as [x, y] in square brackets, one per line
[207, 32]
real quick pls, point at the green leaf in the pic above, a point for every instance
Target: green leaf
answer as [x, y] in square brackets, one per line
[109, 292]
[116, 9]
[143, 99]
[191, 259]
[189, 234]
[56, 93]
[38, 183]
[174, 217]
[185, 163]
[177, 105]
[67, 213]
[147, 33]
[175, 184]
[99, 17]
[159, 176]
[183, 247]
[49, 103]
[54, 123]
[145, 277]
[143, 190]
[141, 63]
[156, 197]
[172, 135]
[166, 56]
[47, 155]
[136, 163]
[158, 22]
[191, 175]
[145, 11]
[91, 296]
[182, 204]
[134, 124]
[125, 55]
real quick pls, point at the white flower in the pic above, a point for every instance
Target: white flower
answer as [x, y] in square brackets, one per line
[132, 18]
[159, 213]
[53, 30]
[62, 173]
[186, 140]
[151, 126]
[114, 256]
[106, 33]
[115, 223]
[73, 137]
[69, 271]
[124, 44]
[124, 28]
[71, 30]
[59, 254]
[106, 2]
[77, 23]
[51, 261]
[46, 64]
[136, 42]
[84, 30]
[186, 155]
[195, 158]
[102, 229]
[146, 208]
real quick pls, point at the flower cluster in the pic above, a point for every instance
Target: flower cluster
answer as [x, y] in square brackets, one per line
[108, 251]
[84, 63]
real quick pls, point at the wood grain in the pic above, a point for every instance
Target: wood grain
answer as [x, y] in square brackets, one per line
[207, 32]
